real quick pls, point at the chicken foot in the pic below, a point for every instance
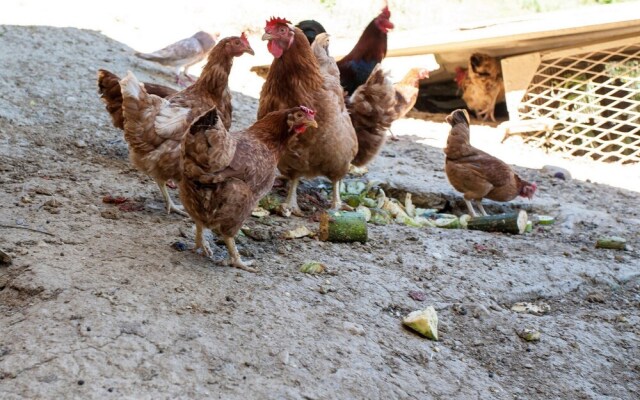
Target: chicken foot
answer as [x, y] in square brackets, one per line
[336, 201]
[171, 206]
[291, 203]
[201, 243]
[234, 256]
[472, 211]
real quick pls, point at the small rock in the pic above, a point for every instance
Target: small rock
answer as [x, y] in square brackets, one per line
[556, 172]
[353, 328]
[44, 191]
[531, 308]
[480, 311]
[52, 203]
[460, 309]
[595, 298]
[80, 143]
[110, 213]
[5, 258]
[283, 356]
[179, 246]
[417, 295]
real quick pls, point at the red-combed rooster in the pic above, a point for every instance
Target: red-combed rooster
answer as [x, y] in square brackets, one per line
[297, 77]
[369, 51]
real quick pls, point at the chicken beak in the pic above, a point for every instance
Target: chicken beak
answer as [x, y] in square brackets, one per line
[267, 36]
[312, 123]
[250, 51]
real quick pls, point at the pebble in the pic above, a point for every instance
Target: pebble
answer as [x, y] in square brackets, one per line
[44, 191]
[353, 328]
[5, 258]
[53, 203]
[110, 213]
[556, 172]
[179, 246]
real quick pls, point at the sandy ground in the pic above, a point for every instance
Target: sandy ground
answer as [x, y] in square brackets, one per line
[98, 303]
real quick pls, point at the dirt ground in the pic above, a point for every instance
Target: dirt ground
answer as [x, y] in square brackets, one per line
[99, 303]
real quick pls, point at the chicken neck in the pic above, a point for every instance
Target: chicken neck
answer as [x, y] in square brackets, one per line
[215, 74]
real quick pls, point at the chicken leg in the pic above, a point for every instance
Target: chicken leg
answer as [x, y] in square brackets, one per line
[201, 243]
[234, 256]
[171, 206]
[291, 203]
[336, 201]
[479, 203]
[470, 207]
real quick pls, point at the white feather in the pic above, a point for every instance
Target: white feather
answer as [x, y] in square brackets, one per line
[129, 86]
[171, 119]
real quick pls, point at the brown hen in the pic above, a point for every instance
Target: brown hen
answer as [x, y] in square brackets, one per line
[154, 127]
[297, 77]
[476, 174]
[407, 91]
[482, 85]
[225, 175]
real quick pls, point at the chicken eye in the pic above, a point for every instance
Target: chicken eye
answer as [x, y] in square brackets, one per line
[237, 43]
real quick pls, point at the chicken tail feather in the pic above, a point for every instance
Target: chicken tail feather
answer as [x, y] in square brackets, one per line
[138, 110]
[371, 107]
[109, 89]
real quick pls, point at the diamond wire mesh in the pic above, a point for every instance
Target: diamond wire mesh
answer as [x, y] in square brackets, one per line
[595, 99]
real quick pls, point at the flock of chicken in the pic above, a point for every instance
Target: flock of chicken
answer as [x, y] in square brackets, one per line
[316, 117]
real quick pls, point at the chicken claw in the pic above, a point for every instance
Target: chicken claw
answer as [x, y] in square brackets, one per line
[171, 206]
[201, 243]
[234, 256]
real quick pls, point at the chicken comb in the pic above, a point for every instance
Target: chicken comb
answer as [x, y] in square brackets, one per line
[244, 40]
[385, 12]
[310, 113]
[271, 23]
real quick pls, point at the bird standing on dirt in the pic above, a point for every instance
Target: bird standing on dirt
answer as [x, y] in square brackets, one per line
[225, 174]
[476, 174]
[183, 53]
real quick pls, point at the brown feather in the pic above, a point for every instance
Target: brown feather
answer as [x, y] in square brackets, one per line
[295, 78]
[372, 111]
[109, 89]
[154, 127]
[226, 174]
[473, 172]
[482, 86]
